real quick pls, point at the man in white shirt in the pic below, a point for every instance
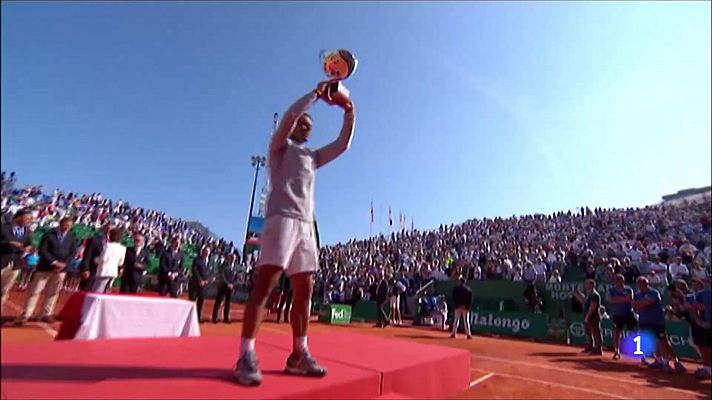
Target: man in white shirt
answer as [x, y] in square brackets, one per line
[636, 255]
[529, 274]
[678, 270]
[658, 266]
[540, 268]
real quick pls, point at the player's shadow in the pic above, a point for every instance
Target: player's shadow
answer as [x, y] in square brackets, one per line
[655, 378]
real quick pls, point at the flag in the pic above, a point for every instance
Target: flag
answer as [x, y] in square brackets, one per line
[412, 224]
[402, 221]
[390, 218]
[371, 211]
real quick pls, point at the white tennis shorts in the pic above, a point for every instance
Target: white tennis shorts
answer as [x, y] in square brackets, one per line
[289, 243]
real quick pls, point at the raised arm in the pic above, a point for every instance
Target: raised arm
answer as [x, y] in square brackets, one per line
[342, 143]
[289, 120]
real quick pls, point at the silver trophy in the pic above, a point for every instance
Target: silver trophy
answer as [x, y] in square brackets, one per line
[338, 65]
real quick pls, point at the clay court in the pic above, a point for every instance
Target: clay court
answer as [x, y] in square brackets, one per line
[500, 368]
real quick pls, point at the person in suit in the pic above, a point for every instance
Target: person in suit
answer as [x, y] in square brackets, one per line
[170, 268]
[200, 277]
[462, 301]
[285, 300]
[227, 281]
[135, 263]
[15, 241]
[93, 250]
[382, 292]
[57, 249]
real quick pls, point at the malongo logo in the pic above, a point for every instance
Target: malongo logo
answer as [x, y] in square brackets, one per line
[503, 323]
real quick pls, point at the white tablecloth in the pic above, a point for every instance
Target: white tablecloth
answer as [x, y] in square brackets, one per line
[111, 316]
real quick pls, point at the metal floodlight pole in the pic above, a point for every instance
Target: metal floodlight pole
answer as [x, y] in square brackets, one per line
[257, 162]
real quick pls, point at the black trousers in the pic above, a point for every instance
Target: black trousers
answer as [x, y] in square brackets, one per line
[382, 316]
[128, 286]
[165, 284]
[594, 336]
[87, 284]
[196, 292]
[224, 294]
[285, 303]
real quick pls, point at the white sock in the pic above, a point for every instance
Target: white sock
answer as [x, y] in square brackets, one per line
[246, 345]
[300, 344]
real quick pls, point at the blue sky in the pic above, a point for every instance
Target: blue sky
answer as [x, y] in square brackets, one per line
[464, 109]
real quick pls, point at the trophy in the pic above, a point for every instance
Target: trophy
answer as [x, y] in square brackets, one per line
[338, 65]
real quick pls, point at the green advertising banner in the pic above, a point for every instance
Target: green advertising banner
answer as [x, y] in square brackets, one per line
[365, 310]
[563, 291]
[510, 323]
[496, 295]
[679, 332]
[335, 313]
[557, 330]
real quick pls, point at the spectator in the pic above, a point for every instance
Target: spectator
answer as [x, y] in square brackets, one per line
[629, 271]
[170, 268]
[57, 248]
[699, 271]
[518, 275]
[93, 250]
[108, 263]
[440, 315]
[227, 281]
[592, 319]
[541, 270]
[381, 297]
[529, 274]
[701, 315]
[15, 242]
[648, 303]
[200, 277]
[678, 270]
[621, 296]
[285, 300]
[397, 288]
[644, 266]
[135, 264]
[462, 301]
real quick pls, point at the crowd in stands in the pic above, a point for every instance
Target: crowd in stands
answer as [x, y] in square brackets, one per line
[667, 246]
[92, 215]
[93, 210]
[662, 243]
[659, 242]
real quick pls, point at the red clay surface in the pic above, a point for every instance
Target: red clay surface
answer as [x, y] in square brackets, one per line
[500, 368]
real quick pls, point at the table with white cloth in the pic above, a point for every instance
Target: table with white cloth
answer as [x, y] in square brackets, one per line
[88, 316]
